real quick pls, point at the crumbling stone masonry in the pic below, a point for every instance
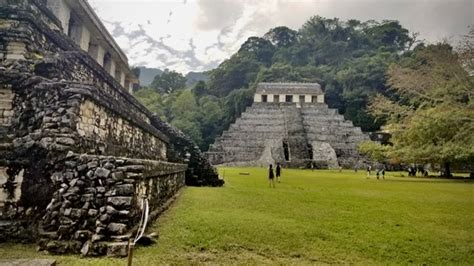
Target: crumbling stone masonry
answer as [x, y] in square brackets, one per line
[289, 123]
[77, 151]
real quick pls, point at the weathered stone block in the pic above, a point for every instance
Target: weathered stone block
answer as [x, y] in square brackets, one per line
[97, 237]
[117, 228]
[82, 234]
[77, 213]
[92, 164]
[57, 247]
[66, 141]
[82, 167]
[119, 249]
[104, 218]
[132, 168]
[90, 190]
[118, 175]
[87, 197]
[123, 190]
[120, 202]
[110, 210]
[92, 212]
[109, 166]
[102, 172]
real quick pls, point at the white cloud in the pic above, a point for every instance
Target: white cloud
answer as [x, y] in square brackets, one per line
[158, 32]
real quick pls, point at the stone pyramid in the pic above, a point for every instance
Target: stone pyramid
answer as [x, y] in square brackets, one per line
[289, 123]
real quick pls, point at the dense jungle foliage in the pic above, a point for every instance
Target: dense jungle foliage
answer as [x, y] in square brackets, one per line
[349, 58]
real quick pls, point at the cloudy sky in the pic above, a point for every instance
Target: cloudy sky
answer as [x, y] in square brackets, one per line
[196, 35]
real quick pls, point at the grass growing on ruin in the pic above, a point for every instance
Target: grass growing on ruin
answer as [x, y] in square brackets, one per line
[311, 217]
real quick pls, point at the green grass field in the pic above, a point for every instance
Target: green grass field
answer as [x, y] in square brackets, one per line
[309, 218]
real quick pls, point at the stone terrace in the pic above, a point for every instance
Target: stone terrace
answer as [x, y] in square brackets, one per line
[311, 132]
[78, 152]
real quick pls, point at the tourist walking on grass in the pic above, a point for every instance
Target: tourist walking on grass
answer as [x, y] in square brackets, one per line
[278, 172]
[368, 170]
[271, 176]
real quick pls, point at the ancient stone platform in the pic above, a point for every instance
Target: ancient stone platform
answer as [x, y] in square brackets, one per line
[308, 131]
[78, 153]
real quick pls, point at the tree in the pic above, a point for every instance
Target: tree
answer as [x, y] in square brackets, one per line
[389, 34]
[168, 81]
[374, 150]
[259, 49]
[235, 103]
[430, 114]
[190, 128]
[200, 89]
[152, 100]
[184, 114]
[281, 37]
[233, 74]
[185, 106]
[210, 118]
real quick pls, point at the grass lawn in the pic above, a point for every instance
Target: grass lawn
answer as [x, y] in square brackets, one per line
[309, 218]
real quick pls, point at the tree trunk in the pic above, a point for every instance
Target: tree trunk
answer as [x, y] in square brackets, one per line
[447, 169]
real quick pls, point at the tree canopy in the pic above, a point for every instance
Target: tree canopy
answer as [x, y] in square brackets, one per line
[168, 81]
[430, 112]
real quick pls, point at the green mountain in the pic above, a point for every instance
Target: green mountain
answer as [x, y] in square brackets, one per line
[194, 77]
[148, 74]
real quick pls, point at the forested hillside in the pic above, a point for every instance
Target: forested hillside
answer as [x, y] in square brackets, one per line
[349, 58]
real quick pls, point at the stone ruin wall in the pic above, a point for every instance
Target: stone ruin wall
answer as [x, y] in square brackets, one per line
[98, 199]
[77, 152]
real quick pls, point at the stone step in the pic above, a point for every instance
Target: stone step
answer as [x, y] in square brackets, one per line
[330, 124]
[260, 123]
[263, 117]
[241, 157]
[250, 136]
[250, 128]
[320, 118]
[328, 137]
[5, 146]
[6, 94]
[229, 147]
[5, 105]
[263, 113]
[242, 145]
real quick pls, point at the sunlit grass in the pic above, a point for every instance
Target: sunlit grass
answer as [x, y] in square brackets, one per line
[310, 217]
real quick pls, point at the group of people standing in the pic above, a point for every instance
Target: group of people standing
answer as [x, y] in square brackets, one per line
[271, 175]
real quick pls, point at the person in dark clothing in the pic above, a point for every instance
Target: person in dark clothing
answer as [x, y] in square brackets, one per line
[271, 176]
[278, 172]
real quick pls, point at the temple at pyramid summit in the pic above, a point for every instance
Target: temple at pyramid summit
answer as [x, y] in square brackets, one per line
[291, 124]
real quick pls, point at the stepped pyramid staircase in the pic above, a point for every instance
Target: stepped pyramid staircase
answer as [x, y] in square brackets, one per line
[295, 137]
[309, 132]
